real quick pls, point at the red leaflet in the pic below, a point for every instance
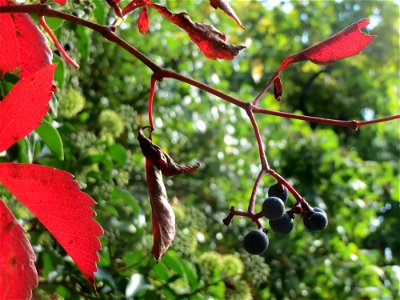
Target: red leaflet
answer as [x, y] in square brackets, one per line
[18, 274]
[160, 159]
[143, 22]
[278, 88]
[210, 41]
[163, 217]
[55, 199]
[22, 44]
[61, 2]
[25, 106]
[224, 5]
[348, 42]
[132, 6]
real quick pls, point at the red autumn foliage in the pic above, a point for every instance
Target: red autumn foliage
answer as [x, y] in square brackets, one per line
[210, 41]
[55, 199]
[61, 2]
[22, 110]
[51, 195]
[162, 160]
[132, 6]
[143, 22]
[348, 42]
[278, 88]
[17, 259]
[225, 6]
[22, 44]
[162, 215]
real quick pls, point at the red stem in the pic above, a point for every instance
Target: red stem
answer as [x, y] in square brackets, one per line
[286, 62]
[286, 184]
[151, 98]
[263, 158]
[254, 192]
[159, 72]
[350, 124]
[232, 213]
[57, 43]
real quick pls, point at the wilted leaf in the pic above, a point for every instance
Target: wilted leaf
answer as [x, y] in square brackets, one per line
[55, 199]
[143, 22]
[22, 44]
[163, 217]
[160, 159]
[278, 88]
[25, 106]
[225, 6]
[18, 274]
[210, 41]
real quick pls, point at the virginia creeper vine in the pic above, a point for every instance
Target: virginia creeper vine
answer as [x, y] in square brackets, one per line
[251, 108]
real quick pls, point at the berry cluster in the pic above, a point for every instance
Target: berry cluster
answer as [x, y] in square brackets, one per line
[281, 221]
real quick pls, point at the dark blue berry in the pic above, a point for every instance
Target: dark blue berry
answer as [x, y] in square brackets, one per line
[315, 220]
[273, 208]
[283, 225]
[256, 242]
[278, 190]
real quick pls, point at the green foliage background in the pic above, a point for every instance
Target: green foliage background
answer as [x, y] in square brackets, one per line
[353, 176]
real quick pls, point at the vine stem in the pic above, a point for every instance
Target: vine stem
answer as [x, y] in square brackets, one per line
[254, 192]
[251, 108]
[108, 33]
[342, 123]
[151, 98]
[42, 21]
[263, 157]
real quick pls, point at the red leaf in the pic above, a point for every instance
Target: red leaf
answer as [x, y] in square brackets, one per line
[18, 274]
[348, 42]
[143, 22]
[132, 6]
[278, 88]
[61, 2]
[225, 6]
[55, 199]
[25, 106]
[22, 44]
[163, 217]
[160, 159]
[210, 41]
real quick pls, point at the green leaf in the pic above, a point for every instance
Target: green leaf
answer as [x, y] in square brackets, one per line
[118, 153]
[100, 11]
[173, 262]
[190, 273]
[59, 74]
[51, 138]
[119, 194]
[161, 272]
[83, 44]
[54, 23]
